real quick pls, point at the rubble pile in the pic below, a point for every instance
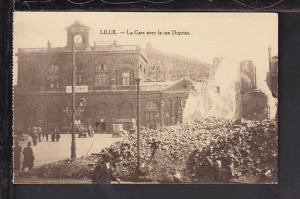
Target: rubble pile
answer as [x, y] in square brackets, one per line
[248, 153]
[164, 152]
[78, 169]
[208, 150]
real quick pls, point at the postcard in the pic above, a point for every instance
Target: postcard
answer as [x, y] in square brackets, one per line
[145, 98]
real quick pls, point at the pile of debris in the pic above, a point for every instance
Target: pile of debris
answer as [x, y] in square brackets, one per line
[248, 154]
[164, 152]
[80, 168]
[209, 150]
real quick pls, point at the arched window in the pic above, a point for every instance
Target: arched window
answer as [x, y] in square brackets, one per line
[79, 76]
[100, 68]
[101, 78]
[126, 76]
[53, 77]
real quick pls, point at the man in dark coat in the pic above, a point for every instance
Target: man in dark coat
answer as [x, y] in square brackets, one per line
[57, 135]
[17, 156]
[39, 133]
[102, 173]
[47, 134]
[53, 136]
[28, 157]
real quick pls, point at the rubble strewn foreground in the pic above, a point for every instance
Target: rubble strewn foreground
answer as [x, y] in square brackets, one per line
[207, 151]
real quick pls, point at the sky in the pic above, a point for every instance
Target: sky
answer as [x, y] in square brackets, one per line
[234, 36]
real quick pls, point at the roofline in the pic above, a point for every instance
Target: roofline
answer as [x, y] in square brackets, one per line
[178, 57]
[67, 50]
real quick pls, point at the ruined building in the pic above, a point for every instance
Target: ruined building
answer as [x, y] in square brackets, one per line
[251, 103]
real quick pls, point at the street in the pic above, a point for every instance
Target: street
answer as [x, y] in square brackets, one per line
[46, 152]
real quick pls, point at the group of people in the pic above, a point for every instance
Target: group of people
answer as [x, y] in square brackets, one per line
[37, 134]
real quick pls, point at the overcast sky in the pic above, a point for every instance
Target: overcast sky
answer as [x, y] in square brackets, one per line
[235, 36]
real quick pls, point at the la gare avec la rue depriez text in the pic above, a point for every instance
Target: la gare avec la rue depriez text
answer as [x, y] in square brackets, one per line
[139, 32]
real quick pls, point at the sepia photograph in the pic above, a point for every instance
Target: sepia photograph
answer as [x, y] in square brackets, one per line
[145, 98]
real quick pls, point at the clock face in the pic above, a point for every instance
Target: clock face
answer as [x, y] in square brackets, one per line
[78, 39]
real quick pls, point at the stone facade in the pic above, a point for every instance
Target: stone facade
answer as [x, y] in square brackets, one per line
[109, 72]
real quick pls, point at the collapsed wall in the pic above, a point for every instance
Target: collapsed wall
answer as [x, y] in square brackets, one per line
[231, 93]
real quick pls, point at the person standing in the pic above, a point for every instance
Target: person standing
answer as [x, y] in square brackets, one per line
[53, 135]
[57, 135]
[154, 146]
[43, 133]
[39, 133]
[17, 156]
[46, 134]
[34, 138]
[28, 161]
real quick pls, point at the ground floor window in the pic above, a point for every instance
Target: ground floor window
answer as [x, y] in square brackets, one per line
[151, 111]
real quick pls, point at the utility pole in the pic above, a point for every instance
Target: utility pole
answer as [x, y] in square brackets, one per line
[138, 123]
[73, 145]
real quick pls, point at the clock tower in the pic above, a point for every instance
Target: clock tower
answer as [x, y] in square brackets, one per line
[78, 34]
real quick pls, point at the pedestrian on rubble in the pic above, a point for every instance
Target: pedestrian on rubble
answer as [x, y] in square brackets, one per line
[154, 146]
[17, 156]
[102, 173]
[57, 135]
[28, 161]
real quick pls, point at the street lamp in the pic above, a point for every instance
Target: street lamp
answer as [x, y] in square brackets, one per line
[138, 80]
[76, 40]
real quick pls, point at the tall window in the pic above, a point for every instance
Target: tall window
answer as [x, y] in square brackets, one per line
[151, 111]
[101, 76]
[102, 79]
[53, 77]
[99, 68]
[79, 76]
[125, 78]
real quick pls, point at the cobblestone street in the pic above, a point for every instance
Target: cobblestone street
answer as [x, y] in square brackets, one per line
[46, 152]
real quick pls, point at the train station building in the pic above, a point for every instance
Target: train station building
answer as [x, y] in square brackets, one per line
[108, 74]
